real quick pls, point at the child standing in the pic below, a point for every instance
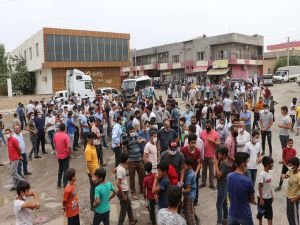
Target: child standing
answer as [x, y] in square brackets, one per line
[23, 207]
[122, 184]
[253, 148]
[293, 196]
[287, 153]
[265, 195]
[189, 192]
[161, 184]
[148, 193]
[222, 169]
[70, 201]
[102, 197]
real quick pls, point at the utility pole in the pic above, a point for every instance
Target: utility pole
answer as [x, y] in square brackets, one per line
[288, 51]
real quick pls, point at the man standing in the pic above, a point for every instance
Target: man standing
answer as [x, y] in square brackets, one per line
[40, 126]
[266, 122]
[158, 114]
[19, 136]
[165, 136]
[211, 140]
[150, 151]
[227, 107]
[33, 136]
[14, 155]
[97, 143]
[92, 163]
[63, 151]
[231, 143]
[116, 140]
[284, 126]
[242, 138]
[241, 192]
[246, 117]
[50, 128]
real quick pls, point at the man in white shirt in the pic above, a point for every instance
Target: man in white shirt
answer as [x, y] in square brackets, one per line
[147, 115]
[227, 107]
[150, 151]
[30, 107]
[169, 92]
[50, 128]
[243, 137]
[136, 120]
[158, 114]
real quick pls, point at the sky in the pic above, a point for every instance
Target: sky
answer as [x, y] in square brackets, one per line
[152, 22]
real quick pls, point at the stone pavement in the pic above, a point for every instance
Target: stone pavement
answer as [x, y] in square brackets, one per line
[44, 176]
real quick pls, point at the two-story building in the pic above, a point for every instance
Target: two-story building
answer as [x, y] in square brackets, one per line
[229, 55]
[51, 52]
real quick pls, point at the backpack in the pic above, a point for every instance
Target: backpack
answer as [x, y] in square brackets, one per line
[172, 174]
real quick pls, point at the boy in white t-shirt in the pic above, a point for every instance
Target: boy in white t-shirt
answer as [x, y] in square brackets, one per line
[265, 194]
[253, 148]
[22, 207]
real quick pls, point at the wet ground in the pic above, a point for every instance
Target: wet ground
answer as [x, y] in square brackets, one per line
[44, 178]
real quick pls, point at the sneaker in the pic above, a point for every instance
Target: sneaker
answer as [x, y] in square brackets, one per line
[278, 188]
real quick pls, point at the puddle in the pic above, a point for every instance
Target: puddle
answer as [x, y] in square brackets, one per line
[3, 201]
[52, 205]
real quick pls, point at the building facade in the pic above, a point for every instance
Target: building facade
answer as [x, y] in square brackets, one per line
[277, 51]
[229, 55]
[51, 52]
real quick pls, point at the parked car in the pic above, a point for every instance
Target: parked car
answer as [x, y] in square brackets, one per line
[107, 90]
[268, 80]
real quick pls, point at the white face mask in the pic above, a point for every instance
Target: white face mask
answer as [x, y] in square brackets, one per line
[132, 134]
[266, 110]
[290, 168]
[154, 140]
[39, 116]
[7, 136]
[186, 132]
[32, 117]
[147, 128]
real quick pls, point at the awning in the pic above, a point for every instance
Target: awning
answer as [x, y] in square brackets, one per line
[215, 72]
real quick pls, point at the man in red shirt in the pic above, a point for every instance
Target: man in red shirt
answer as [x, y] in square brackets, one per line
[211, 141]
[63, 150]
[194, 153]
[14, 155]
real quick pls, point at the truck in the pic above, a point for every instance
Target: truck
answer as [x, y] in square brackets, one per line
[131, 87]
[77, 82]
[286, 74]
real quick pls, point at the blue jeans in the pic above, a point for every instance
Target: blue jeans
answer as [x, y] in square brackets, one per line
[23, 162]
[252, 175]
[2, 137]
[237, 221]
[51, 135]
[222, 207]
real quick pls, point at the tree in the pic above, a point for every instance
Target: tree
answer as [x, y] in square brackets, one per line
[22, 80]
[3, 65]
[282, 61]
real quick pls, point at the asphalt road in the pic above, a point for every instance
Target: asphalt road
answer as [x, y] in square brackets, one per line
[44, 178]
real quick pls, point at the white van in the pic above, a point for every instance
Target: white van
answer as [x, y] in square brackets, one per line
[131, 87]
[59, 95]
[286, 74]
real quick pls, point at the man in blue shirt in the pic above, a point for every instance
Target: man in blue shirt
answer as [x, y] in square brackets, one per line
[188, 115]
[40, 126]
[116, 140]
[246, 117]
[85, 128]
[241, 192]
[71, 129]
[144, 133]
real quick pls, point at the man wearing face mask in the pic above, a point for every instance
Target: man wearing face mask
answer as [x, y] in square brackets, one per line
[135, 163]
[165, 136]
[241, 192]
[266, 122]
[198, 109]
[231, 143]
[243, 137]
[246, 117]
[50, 128]
[222, 131]
[211, 141]
[198, 128]
[40, 126]
[187, 114]
[158, 114]
[31, 127]
[165, 113]
[144, 133]
[146, 115]
[151, 152]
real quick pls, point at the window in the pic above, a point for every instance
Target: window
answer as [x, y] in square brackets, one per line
[73, 48]
[94, 49]
[30, 53]
[175, 58]
[88, 85]
[222, 54]
[66, 48]
[37, 49]
[25, 55]
[58, 47]
[200, 56]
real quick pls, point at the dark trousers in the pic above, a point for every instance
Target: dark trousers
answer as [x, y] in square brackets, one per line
[293, 117]
[92, 191]
[99, 153]
[283, 140]
[40, 140]
[51, 135]
[74, 220]
[273, 112]
[197, 189]
[284, 170]
[126, 208]
[292, 212]
[208, 163]
[63, 166]
[136, 166]
[151, 208]
[227, 116]
[23, 162]
[117, 151]
[101, 217]
[84, 137]
[267, 134]
[222, 207]
[23, 122]
[33, 139]
[76, 138]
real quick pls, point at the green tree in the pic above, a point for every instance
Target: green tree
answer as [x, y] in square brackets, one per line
[282, 61]
[3, 65]
[22, 80]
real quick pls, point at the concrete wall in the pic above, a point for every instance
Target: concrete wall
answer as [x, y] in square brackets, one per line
[43, 81]
[269, 65]
[34, 63]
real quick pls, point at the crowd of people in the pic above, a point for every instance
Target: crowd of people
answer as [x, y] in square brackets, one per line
[170, 149]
